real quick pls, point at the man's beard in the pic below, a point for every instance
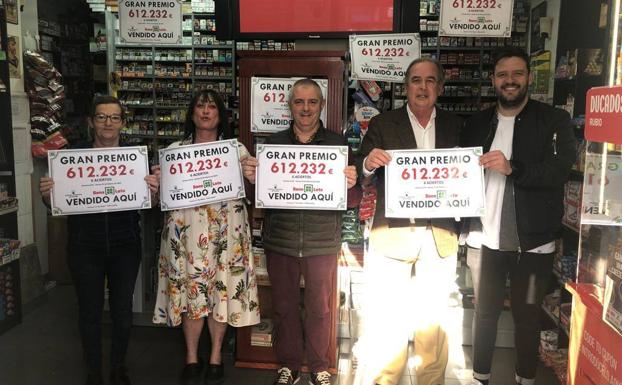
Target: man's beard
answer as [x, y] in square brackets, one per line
[517, 101]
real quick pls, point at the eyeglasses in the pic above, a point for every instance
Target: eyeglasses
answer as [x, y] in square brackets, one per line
[101, 118]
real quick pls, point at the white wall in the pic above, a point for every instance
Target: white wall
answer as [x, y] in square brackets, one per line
[553, 8]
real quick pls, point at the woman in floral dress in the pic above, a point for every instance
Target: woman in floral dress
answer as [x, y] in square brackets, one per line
[206, 265]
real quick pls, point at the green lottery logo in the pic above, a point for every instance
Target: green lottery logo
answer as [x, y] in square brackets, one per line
[309, 188]
[440, 194]
[207, 183]
[109, 190]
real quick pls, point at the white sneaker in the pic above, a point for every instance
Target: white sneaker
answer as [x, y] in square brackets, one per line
[320, 378]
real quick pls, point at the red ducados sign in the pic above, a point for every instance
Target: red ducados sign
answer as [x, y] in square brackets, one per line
[603, 114]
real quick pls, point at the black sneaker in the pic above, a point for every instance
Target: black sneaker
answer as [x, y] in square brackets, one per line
[214, 374]
[320, 378]
[192, 374]
[284, 376]
[119, 376]
[94, 379]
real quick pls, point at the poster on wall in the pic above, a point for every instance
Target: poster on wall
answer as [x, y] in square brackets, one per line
[12, 11]
[150, 22]
[269, 103]
[603, 116]
[489, 18]
[383, 57]
[13, 57]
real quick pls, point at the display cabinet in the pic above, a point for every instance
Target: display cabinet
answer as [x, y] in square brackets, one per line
[10, 300]
[251, 349]
[595, 345]
[156, 83]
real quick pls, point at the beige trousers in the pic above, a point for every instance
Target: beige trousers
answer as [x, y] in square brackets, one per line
[404, 296]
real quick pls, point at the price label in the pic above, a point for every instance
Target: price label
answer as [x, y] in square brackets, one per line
[269, 108]
[301, 177]
[485, 18]
[441, 183]
[199, 174]
[99, 180]
[150, 22]
[385, 52]
[433, 173]
[476, 4]
[383, 57]
[150, 13]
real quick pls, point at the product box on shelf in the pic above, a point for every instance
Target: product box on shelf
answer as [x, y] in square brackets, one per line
[573, 191]
[261, 334]
[9, 250]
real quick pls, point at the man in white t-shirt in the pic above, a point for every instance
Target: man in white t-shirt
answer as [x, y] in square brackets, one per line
[529, 148]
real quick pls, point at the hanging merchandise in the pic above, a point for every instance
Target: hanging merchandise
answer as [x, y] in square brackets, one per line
[363, 115]
[46, 95]
[367, 207]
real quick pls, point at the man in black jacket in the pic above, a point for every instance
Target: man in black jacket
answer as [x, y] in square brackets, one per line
[303, 242]
[529, 148]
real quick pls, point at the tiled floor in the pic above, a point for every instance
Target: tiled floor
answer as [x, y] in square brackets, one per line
[45, 350]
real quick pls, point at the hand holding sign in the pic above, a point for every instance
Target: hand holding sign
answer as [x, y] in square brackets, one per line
[249, 167]
[496, 161]
[376, 158]
[351, 176]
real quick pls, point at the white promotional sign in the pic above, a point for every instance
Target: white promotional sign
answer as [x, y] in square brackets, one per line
[99, 180]
[602, 191]
[199, 174]
[490, 18]
[440, 183]
[269, 108]
[301, 177]
[150, 22]
[383, 57]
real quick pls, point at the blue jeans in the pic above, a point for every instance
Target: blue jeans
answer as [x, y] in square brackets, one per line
[529, 275]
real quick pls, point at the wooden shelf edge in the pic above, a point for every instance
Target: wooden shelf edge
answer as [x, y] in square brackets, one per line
[9, 210]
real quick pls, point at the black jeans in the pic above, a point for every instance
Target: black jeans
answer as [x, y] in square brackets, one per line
[91, 268]
[529, 275]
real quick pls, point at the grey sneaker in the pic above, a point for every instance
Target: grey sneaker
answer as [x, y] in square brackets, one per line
[285, 376]
[320, 378]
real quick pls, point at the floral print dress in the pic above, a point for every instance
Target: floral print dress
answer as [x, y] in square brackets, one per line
[206, 265]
